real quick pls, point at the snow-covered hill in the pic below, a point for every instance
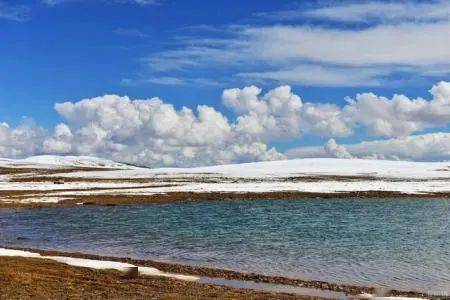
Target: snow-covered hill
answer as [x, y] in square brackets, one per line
[297, 175]
[281, 168]
[52, 161]
[325, 166]
[296, 168]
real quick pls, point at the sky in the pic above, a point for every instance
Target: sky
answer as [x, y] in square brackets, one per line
[186, 83]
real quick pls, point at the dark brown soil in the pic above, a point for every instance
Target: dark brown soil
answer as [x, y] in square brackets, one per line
[30, 278]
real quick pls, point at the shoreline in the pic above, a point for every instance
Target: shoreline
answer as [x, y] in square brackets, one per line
[124, 199]
[229, 274]
[35, 278]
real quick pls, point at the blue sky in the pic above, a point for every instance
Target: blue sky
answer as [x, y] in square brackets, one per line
[79, 49]
[188, 52]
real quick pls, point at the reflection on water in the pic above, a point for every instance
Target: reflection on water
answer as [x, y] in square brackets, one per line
[401, 244]
[270, 287]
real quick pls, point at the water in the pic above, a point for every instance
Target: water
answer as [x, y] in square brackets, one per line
[278, 288]
[401, 244]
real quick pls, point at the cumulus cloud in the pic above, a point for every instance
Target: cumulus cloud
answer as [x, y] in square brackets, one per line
[23, 140]
[61, 142]
[154, 133]
[426, 147]
[400, 115]
[151, 132]
[335, 150]
[281, 114]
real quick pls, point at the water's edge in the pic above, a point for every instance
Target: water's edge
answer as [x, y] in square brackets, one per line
[233, 279]
[384, 243]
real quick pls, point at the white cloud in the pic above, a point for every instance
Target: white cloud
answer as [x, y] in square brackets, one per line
[377, 11]
[166, 80]
[61, 142]
[152, 132]
[403, 44]
[426, 147]
[170, 80]
[400, 115]
[318, 55]
[335, 150]
[281, 114]
[23, 140]
[317, 75]
[14, 12]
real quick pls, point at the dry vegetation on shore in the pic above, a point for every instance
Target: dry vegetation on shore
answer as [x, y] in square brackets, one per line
[31, 278]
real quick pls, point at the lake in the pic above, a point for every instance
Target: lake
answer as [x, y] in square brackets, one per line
[394, 243]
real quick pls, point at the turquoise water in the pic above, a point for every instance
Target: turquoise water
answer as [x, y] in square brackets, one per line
[402, 244]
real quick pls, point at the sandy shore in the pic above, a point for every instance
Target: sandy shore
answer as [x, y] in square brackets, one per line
[33, 277]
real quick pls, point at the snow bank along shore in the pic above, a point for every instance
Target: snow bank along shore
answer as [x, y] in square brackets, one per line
[97, 264]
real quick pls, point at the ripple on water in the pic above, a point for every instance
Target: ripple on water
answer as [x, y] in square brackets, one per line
[401, 244]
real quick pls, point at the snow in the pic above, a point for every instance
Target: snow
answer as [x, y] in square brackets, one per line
[281, 168]
[294, 167]
[97, 264]
[272, 176]
[91, 263]
[50, 186]
[64, 161]
[43, 200]
[408, 187]
[20, 253]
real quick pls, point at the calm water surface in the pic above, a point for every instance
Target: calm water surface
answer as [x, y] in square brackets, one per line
[402, 244]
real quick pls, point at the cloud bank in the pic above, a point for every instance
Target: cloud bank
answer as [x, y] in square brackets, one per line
[426, 147]
[339, 44]
[152, 132]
